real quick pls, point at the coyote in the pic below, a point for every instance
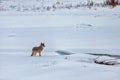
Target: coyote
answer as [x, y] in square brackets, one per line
[38, 49]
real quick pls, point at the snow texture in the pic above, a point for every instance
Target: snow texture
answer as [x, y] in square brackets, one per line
[69, 35]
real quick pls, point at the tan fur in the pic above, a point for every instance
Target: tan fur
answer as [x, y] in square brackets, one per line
[38, 49]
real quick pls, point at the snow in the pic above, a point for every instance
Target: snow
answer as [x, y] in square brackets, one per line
[79, 66]
[76, 32]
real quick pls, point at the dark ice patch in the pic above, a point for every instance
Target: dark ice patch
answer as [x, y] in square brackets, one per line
[61, 52]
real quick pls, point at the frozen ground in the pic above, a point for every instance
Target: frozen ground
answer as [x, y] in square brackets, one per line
[77, 31]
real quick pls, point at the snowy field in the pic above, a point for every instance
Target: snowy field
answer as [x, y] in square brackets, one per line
[70, 35]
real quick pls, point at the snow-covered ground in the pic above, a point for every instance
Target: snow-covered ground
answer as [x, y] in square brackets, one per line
[78, 31]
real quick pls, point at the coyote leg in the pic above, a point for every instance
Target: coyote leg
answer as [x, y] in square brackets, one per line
[32, 53]
[40, 54]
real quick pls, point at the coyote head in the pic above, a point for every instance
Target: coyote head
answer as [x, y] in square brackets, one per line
[42, 44]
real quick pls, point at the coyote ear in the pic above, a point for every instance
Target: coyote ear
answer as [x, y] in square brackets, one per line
[42, 43]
